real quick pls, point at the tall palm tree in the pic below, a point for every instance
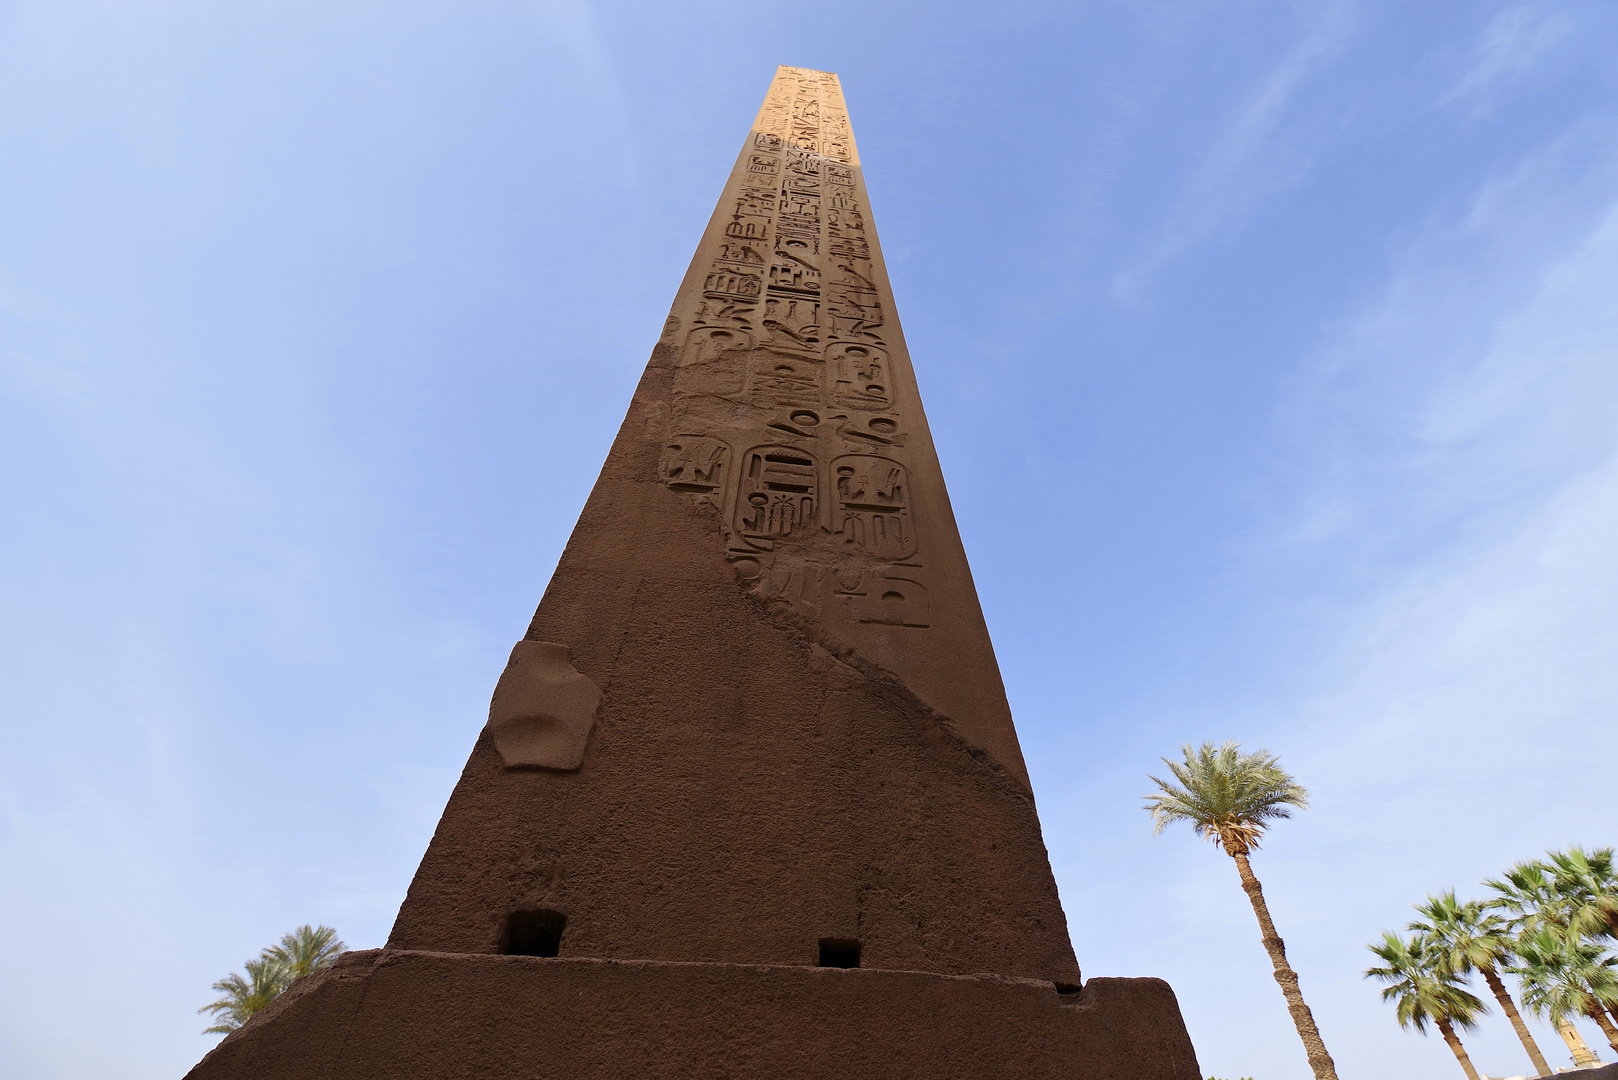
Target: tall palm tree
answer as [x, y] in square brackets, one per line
[1563, 976]
[1422, 988]
[1468, 937]
[306, 949]
[1230, 798]
[266, 978]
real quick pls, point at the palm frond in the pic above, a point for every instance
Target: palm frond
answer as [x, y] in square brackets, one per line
[1420, 986]
[1587, 887]
[1227, 796]
[241, 998]
[306, 949]
[1563, 977]
[1464, 936]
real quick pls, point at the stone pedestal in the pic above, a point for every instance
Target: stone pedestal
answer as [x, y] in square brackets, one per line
[444, 1016]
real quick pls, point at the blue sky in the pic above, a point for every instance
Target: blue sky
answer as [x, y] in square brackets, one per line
[1270, 349]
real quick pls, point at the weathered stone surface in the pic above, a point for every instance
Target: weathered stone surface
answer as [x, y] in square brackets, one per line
[801, 754]
[431, 1016]
[543, 708]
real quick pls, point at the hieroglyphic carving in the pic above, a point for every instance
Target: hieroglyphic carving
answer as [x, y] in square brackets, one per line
[705, 344]
[695, 465]
[793, 323]
[860, 376]
[891, 601]
[793, 271]
[728, 283]
[873, 505]
[868, 433]
[778, 490]
[782, 378]
[784, 354]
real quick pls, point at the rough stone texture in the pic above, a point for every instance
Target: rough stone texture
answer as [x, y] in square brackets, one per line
[432, 1016]
[802, 734]
[543, 708]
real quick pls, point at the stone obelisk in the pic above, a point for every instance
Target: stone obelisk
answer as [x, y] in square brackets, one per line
[749, 802]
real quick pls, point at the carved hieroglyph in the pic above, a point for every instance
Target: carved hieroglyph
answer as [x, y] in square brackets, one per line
[795, 417]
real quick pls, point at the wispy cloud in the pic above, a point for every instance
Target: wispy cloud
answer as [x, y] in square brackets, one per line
[1485, 358]
[1251, 159]
[1496, 621]
[1514, 43]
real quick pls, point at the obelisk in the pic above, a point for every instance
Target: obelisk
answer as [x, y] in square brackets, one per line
[749, 801]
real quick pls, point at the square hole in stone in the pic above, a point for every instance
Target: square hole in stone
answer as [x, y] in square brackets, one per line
[534, 933]
[839, 952]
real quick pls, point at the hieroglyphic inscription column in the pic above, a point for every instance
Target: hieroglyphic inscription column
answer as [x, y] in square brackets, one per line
[795, 417]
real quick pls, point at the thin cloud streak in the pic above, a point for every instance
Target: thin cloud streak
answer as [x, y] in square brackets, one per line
[1511, 46]
[1251, 160]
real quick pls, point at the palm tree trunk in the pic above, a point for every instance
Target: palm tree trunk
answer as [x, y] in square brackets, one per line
[1509, 1007]
[1302, 1018]
[1454, 1041]
[1576, 1046]
[1604, 1022]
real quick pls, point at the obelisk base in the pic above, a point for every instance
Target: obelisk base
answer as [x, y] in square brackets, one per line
[397, 1015]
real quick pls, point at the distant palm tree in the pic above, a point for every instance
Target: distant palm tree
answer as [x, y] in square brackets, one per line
[1563, 977]
[306, 949]
[1230, 798]
[1467, 937]
[266, 978]
[1423, 989]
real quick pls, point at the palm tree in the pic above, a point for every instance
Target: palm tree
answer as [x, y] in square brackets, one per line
[1573, 893]
[1230, 798]
[1562, 977]
[1423, 989]
[1530, 897]
[1467, 937]
[266, 978]
[1588, 888]
[306, 949]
